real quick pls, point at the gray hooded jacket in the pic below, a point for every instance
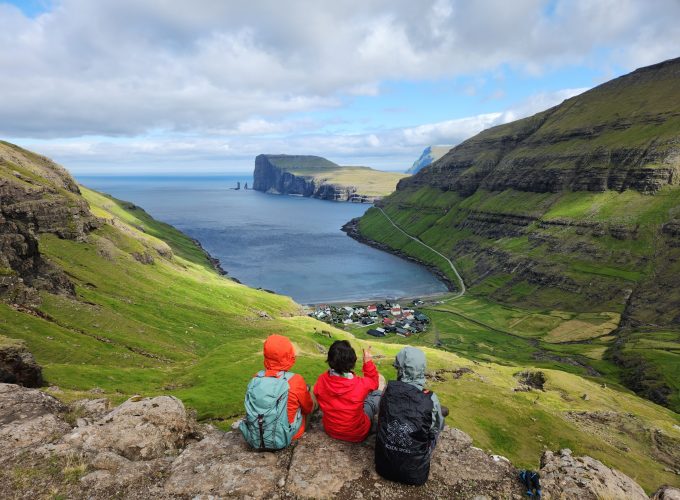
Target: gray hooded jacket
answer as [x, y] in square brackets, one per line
[410, 364]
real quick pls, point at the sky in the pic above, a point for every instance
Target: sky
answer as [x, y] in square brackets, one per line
[177, 87]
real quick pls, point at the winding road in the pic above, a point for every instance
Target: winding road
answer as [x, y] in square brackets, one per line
[461, 283]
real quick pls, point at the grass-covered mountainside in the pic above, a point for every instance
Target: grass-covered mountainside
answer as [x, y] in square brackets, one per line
[573, 211]
[317, 177]
[110, 298]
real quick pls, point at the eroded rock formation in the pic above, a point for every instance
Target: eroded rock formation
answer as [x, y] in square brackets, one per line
[36, 196]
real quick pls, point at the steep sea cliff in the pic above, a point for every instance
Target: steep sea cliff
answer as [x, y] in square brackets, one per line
[316, 177]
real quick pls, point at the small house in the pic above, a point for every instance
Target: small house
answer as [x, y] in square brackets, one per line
[376, 333]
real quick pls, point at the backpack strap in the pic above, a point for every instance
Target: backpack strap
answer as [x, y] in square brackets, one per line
[284, 375]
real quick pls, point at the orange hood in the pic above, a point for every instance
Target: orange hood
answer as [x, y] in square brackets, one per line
[279, 353]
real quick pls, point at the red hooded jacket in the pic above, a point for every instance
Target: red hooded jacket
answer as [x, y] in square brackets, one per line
[279, 355]
[342, 402]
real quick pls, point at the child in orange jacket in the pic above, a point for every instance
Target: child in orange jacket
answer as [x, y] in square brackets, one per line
[279, 356]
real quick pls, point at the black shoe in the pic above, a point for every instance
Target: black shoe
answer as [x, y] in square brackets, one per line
[536, 484]
[525, 478]
[445, 411]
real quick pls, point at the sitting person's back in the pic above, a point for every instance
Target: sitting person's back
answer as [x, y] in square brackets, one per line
[409, 422]
[268, 424]
[348, 402]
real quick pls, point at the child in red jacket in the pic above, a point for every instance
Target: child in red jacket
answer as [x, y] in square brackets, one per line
[348, 402]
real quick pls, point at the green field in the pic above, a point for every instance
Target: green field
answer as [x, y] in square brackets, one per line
[368, 181]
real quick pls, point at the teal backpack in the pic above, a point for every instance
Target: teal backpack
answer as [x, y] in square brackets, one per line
[266, 425]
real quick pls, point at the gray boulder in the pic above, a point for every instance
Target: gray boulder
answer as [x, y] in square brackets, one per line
[28, 417]
[566, 476]
[666, 493]
[222, 464]
[152, 448]
[139, 429]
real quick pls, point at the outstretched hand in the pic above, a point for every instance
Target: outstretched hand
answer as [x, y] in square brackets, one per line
[368, 356]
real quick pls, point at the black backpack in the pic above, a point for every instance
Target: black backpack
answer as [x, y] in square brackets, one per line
[403, 443]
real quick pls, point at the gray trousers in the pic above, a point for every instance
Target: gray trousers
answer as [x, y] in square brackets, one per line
[372, 403]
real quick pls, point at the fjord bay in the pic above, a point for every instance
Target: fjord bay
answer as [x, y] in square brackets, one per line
[290, 245]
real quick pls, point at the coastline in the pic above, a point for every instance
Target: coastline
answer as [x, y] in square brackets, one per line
[351, 228]
[369, 301]
[363, 198]
[214, 261]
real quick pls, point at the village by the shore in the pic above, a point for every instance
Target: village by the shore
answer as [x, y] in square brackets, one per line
[387, 318]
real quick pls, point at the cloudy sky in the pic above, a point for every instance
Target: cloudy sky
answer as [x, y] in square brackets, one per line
[165, 86]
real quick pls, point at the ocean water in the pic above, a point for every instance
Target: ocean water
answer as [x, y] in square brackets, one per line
[287, 244]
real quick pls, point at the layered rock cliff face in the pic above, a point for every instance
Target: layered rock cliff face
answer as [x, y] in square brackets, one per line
[313, 176]
[575, 208]
[620, 135]
[153, 448]
[36, 196]
[547, 200]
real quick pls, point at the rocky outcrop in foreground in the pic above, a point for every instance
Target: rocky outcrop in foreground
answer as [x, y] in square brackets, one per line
[153, 448]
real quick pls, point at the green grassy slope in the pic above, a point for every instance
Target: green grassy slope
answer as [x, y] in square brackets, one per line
[368, 181]
[176, 327]
[575, 209]
[173, 326]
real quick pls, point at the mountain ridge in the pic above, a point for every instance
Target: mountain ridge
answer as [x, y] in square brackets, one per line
[575, 208]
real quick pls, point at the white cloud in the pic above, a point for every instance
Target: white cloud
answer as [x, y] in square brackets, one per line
[393, 149]
[126, 67]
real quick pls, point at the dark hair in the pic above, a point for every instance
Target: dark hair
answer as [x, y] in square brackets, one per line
[341, 356]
